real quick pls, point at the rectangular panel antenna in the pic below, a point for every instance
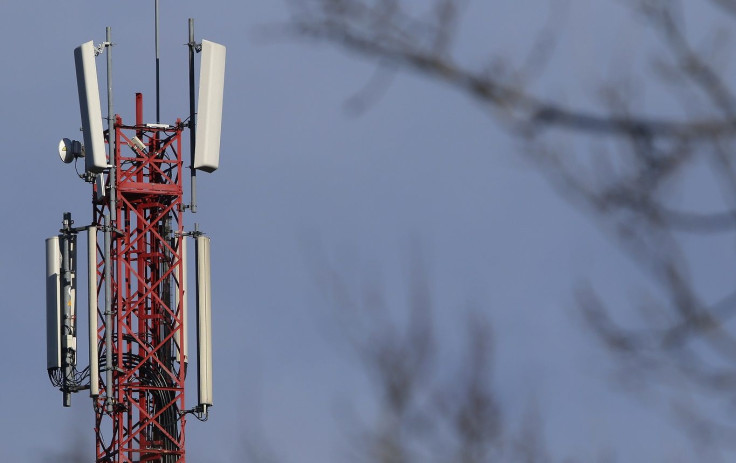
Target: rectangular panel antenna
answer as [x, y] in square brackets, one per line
[181, 338]
[89, 106]
[100, 182]
[209, 118]
[53, 303]
[94, 365]
[204, 321]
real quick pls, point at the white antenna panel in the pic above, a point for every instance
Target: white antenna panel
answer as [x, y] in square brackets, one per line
[53, 303]
[94, 365]
[209, 115]
[181, 337]
[100, 192]
[89, 106]
[204, 322]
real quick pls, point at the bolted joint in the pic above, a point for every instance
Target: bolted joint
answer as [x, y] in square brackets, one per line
[99, 49]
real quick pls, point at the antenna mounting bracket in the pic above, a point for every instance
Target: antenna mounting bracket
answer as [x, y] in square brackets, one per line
[101, 47]
[196, 46]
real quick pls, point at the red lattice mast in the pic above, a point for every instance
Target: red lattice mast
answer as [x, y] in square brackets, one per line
[143, 419]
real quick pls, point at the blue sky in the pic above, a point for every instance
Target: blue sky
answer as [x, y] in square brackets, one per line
[423, 165]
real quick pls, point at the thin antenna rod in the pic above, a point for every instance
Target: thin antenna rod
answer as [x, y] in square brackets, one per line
[158, 62]
[192, 123]
[108, 225]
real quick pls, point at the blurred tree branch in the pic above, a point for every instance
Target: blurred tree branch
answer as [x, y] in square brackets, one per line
[383, 30]
[426, 410]
[685, 339]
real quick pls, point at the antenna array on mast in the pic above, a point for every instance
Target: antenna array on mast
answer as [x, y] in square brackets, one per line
[137, 277]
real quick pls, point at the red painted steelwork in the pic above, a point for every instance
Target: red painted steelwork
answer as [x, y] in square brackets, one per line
[146, 423]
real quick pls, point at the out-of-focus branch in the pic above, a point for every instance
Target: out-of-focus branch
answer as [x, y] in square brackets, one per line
[477, 414]
[427, 411]
[662, 16]
[729, 6]
[624, 185]
[381, 30]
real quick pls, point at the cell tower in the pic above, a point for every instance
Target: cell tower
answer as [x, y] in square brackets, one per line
[137, 274]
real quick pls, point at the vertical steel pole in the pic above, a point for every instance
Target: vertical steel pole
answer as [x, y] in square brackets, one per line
[165, 290]
[192, 123]
[108, 225]
[158, 61]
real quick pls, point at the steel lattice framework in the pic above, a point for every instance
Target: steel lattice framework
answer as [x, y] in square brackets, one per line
[143, 418]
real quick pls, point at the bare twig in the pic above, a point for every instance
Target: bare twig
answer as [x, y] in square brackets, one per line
[625, 187]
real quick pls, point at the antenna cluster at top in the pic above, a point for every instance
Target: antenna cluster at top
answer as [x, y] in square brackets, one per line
[206, 152]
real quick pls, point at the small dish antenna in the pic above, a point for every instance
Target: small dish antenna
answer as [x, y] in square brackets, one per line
[69, 150]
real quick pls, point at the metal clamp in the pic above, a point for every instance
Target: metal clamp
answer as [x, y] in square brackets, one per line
[99, 49]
